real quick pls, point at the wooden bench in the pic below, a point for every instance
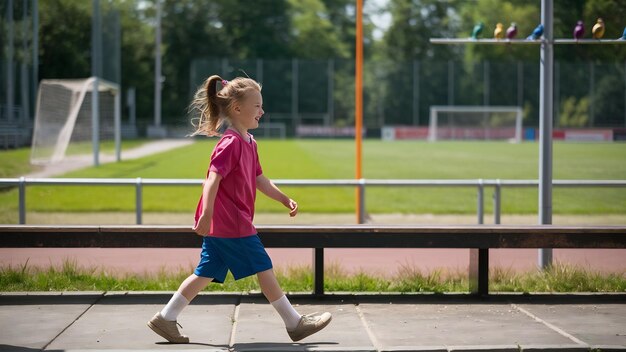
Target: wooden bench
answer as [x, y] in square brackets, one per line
[477, 238]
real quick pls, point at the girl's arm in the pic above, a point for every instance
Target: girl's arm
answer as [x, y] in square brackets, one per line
[209, 192]
[268, 188]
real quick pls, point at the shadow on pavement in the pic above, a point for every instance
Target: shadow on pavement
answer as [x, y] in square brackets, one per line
[11, 348]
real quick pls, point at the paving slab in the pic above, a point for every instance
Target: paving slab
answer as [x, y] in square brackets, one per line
[592, 324]
[396, 325]
[30, 322]
[120, 322]
[260, 328]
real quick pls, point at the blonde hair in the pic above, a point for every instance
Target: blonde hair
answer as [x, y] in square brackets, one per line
[214, 106]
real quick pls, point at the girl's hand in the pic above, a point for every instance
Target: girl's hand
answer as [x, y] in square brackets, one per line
[203, 226]
[293, 207]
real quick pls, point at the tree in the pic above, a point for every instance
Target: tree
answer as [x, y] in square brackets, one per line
[406, 46]
[65, 39]
[314, 36]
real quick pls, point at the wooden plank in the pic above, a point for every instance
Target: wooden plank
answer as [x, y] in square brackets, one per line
[321, 237]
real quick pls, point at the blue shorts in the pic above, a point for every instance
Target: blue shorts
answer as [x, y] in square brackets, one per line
[243, 256]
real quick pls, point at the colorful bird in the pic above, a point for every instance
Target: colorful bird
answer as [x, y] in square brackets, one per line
[511, 32]
[537, 33]
[498, 33]
[579, 30]
[477, 30]
[598, 29]
[624, 34]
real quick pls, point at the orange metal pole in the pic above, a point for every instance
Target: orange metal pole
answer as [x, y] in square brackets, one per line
[358, 106]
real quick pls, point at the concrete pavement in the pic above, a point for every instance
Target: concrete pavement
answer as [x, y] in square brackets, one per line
[115, 321]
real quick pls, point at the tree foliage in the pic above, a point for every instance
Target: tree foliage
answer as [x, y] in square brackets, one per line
[315, 31]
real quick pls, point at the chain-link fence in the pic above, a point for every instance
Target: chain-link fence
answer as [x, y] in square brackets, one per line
[307, 92]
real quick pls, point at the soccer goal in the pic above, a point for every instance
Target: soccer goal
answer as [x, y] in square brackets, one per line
[475, 123]
[64, 118]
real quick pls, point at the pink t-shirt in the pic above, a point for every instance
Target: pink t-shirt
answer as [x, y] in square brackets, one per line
[237, 161]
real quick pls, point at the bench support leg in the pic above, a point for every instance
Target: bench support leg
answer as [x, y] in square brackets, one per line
[318, 271]
[479, 271]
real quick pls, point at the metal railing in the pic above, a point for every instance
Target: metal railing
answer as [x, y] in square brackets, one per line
[361, 184]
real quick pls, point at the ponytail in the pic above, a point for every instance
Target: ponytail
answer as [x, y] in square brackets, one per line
[206, 103]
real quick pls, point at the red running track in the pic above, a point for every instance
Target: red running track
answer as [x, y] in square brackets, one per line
[373, 261]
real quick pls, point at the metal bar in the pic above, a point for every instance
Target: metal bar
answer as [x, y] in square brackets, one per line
[138, 201]
[479, 271]
[525, 41]
[96, 72]
[294, 94]
[35, 15]
[416, 92]
[318, 271]
[10, 86]
[117, 122]
[331, 90]
[318, 183]
[496, 204]
[361, 203]
[546, 92]
[157, 66]
[481, 202]
[22, 200]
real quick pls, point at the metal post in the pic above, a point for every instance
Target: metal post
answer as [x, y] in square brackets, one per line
[130, 102]
[294, 93]
[481, 202]
[450, 82]
[138, 200]
[259, 70]
[479, 271]
[22, 200]
[35, 49]
[592, 88]
[361, 210]
[96, 71]
[318, 271]
[416, 92]
[23, 70]
[9, 58]
[117, 128]
[520, 83]
[557, 93]
[486, 83]
[331, 90]
[545, 126]
[157, 68]
[497, 203]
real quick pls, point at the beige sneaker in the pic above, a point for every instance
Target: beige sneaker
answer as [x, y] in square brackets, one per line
[167, 329]
[309, 324]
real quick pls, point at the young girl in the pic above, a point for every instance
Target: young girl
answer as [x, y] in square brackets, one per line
[226, 208]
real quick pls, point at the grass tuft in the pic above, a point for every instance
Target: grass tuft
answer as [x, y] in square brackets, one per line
[71, 277]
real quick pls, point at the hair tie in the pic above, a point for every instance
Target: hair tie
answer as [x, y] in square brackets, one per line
[224, 82]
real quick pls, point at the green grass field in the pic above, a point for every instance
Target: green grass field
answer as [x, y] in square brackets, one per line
[334, 159]
[71, 277]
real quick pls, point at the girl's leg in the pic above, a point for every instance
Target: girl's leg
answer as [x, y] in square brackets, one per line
[272, 291]
[193, 285]
[187, 291]
[269, 285]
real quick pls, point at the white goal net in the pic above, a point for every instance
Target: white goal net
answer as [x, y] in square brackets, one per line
[475, 123]
[63, 118]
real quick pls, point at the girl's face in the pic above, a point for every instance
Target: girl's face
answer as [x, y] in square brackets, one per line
[249, 111]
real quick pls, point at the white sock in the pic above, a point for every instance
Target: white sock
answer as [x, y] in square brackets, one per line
[286, 311]
[173, 308]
